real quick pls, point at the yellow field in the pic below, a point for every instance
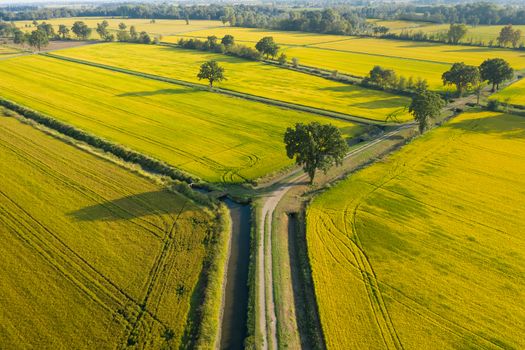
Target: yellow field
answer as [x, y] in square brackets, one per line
[481, 33]
[513, 94]
[253, 35]
[359, 55]
[6, 52]
[209, 135]
[425, 249]
[160, 27]
[250, 77]
[93, 256]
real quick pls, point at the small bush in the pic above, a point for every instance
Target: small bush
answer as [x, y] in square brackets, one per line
[493, 105]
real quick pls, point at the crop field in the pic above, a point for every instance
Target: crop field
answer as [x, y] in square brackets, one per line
[250, 77]
[6, 52]
[425, 249]
[359, 55]
[480, 33]
[93, 256]
[215, 137]
[513, 94]
[159, 27]
[253, 35]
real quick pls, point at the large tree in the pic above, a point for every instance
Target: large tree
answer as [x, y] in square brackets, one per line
[228, 40]
[462, 76]
[267, 47]
[212, 72]
[496, 71]
[102, 30]
[315, 146]
[456, 32]
[81, 30]
[425, 107]
[38, 39]
[384, 78]
[508, 35]
[63, 31]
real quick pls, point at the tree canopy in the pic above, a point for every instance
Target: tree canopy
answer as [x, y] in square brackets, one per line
[81, 30]
[267, 47]
[212, 72]
[315, 146]
[38, 39]
[496, 71]
[456, 32]
[461, 75]
[425, 107]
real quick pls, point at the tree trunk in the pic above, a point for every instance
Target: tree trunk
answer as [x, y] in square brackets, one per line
[493, 87]
[312, 176]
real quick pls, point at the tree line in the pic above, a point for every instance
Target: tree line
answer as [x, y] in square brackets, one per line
[44, 32]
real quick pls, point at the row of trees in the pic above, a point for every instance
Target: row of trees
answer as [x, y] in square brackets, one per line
[387, 79]
[266, 47]
[494, 71]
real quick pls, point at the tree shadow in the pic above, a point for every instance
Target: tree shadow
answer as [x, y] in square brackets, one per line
[508, 126]
[379, 104]
[130, 207]
[155, 92]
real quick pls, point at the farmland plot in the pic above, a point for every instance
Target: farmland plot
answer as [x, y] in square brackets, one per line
[158, 27]
[357, 56]
[217, 138]
[249, 77]
[93, 256]
[425, 250]
[513, 94]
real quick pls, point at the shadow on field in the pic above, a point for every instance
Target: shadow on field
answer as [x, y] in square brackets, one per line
[378, 104]
[156, 92]
[130, 207]
[506, 125]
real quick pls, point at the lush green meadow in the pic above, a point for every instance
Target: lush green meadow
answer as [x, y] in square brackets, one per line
[425, 249]
[250, 77]
[513, 94]
[159, 27]
[93, 256]
[358, 56]
[215, 137]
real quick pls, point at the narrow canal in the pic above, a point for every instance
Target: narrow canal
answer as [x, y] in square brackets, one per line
[234, 327]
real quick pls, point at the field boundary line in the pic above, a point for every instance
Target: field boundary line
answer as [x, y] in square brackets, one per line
[246, 96]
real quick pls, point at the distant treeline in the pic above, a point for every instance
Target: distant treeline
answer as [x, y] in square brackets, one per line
[340, 19]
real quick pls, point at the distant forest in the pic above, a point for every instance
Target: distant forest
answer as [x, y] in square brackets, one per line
[339, 19]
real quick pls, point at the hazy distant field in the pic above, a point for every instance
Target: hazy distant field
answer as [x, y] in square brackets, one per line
[81, 249]
[359, 55]
[217, 138]
[160, 27]
[247, 76]
[425, 249]
[481, 33]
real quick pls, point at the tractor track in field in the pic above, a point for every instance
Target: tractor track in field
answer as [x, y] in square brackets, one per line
[138, 332]
[266, 315]
[96, 285]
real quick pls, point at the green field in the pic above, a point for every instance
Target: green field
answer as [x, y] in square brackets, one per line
[250, 77]
[160, 27]
[358, 56]
[93, 256]
[218, 138]
[424, 250]
[513, 94]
